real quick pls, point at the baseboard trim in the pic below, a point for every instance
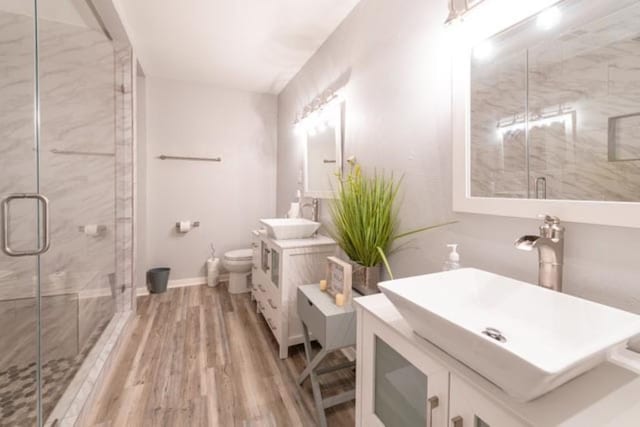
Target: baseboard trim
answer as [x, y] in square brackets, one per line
[183, 283]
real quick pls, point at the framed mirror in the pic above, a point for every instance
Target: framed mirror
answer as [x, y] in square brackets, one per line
[547, 115]
[323, 152]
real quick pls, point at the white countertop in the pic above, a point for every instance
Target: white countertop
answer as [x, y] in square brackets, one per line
[605, 396]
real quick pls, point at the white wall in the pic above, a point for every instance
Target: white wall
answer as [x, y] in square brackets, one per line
[228, 198]
[398, 118]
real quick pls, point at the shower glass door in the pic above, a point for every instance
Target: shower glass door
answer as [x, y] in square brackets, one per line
[61, 136]
[21, 216]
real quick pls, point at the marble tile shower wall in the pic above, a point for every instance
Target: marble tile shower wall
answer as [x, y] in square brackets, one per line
[81, 275]
[593, 74]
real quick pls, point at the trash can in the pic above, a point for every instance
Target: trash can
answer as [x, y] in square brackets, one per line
[157, 279]
[213, 271]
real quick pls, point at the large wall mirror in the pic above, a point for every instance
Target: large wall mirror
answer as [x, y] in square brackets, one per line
[323, 152]
[552, 114]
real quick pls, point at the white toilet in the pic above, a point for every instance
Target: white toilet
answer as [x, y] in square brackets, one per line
[238, 264]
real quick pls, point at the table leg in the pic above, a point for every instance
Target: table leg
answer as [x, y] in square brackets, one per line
[312, 362]
[317, 398]
[309, 372]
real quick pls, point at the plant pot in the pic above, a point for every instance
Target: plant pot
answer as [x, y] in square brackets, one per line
[365, 279]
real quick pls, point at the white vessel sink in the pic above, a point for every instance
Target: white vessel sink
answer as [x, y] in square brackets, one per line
[290, 228]
[549, 337]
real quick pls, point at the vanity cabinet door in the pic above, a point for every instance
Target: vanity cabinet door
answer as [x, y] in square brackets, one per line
[264, 257]
[470, 408]
[400, 385]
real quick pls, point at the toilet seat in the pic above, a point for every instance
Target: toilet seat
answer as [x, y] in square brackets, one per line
[239, 255]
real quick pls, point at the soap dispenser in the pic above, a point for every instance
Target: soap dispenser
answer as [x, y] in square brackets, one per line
[453, 260]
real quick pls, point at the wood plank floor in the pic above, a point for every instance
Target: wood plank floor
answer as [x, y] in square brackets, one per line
[199, 356]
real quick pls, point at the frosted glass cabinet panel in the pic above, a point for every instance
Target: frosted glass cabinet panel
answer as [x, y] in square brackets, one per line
[275, 267]
[400, 388]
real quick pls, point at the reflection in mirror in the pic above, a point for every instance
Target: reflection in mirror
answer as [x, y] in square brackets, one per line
[323, 157]
[555, 106]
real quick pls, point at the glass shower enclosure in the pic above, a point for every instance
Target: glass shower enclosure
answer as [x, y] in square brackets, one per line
[66, 205]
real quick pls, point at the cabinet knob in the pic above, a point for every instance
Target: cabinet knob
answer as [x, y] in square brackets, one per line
[457, 421]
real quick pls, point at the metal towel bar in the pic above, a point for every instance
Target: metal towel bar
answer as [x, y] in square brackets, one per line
[203, 159]
[81, 153]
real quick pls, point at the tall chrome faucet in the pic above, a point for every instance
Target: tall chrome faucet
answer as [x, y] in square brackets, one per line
[550, 245]
[315, 209]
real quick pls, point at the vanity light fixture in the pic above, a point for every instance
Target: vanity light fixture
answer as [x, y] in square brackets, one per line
[314, 118]
[562, 115]
[548, 18]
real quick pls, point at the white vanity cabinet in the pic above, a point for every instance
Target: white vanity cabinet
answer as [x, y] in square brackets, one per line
[404, 380]
[280, 266]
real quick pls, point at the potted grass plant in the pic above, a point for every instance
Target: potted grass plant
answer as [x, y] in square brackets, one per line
[365, 222]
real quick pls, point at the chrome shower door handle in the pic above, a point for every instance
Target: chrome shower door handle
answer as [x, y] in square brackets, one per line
[44, 244]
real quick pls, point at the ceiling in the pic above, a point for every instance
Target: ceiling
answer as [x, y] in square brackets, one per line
[254, 45]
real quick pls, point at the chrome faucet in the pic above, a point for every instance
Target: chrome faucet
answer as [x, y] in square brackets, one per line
[315, 209]
[550, 245]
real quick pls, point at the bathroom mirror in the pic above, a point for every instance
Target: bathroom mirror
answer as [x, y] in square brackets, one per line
[552, 115]
[323, 152]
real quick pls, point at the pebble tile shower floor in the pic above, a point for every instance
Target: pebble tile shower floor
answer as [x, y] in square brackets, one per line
[18, 385]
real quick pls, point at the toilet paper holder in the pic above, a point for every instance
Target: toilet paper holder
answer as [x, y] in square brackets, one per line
[194, 224]
[101, 229]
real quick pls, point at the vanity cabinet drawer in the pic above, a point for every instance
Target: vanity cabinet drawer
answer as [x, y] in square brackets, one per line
[311, 315]
[271, 316]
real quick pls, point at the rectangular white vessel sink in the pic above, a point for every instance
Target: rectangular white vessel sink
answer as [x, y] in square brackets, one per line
[525, 339]
[290, 228]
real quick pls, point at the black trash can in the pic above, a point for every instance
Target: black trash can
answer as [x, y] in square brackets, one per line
[157, 279]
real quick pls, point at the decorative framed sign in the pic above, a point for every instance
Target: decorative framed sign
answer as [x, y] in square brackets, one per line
[339, 274]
